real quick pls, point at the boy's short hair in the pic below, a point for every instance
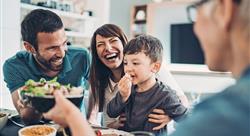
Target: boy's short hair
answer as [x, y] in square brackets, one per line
[150, 45]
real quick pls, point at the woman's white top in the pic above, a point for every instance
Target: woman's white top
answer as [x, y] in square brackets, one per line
[110, 93]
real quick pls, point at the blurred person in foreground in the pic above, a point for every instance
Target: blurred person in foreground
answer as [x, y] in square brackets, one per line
[223, 28]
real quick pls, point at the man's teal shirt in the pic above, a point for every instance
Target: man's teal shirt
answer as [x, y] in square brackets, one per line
[22, 67]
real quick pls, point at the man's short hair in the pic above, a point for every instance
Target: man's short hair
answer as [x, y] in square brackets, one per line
[150, 45]
[39, 20]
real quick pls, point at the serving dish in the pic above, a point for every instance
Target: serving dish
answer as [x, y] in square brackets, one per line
[40, 94]
[3, 119]
[37, 130]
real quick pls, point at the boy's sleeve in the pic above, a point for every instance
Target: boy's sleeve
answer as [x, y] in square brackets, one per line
[174, 108]
[115, 106]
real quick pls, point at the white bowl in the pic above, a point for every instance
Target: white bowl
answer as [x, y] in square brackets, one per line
[3, 120]
[53, 133]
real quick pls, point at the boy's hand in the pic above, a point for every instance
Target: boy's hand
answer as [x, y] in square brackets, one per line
[124, 87]
[28, 114]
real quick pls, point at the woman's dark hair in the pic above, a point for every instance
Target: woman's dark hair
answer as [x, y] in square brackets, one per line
[99, 73]
[39, 20]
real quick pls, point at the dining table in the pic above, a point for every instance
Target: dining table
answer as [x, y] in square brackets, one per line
[10, 129]
[14, 124]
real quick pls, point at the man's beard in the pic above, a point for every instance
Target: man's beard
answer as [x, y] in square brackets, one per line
[48, 64]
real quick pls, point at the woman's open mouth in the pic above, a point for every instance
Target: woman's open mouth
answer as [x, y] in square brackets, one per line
[112, 57]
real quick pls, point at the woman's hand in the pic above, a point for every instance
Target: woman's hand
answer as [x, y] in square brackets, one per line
[124, 87]
[118, 123]
[159, 116]
[60, 111]
[66, 113]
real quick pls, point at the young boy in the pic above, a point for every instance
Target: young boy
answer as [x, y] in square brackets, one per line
[139, 90]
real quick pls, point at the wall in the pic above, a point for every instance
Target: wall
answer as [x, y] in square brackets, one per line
[120, 12]
[202, 82]
[10, 42]
[101, 9]
[10, 34]
[191, 78]
[161, 16]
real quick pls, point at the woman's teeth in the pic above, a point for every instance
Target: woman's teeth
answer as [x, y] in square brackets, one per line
[111, 57]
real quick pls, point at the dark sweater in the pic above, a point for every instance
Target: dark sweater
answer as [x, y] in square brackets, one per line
[141, 104]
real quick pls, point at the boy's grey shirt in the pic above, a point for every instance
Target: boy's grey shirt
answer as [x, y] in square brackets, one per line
[141, 104]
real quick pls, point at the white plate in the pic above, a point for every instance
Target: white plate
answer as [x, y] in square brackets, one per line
[114, 131]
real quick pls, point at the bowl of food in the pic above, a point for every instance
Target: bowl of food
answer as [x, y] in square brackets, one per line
[3, 120]
[37, 130]
[39, 95]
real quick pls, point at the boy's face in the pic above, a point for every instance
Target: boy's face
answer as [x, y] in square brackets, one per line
[140, 67]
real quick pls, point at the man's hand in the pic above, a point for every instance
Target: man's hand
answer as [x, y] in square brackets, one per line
[124, 87]
[28, 114]
[158, 116]
[118, 123]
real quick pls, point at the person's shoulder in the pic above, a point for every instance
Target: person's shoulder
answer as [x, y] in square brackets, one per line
[229, 108]
[233, 98]
[77, 50]
[238, 92]
[164, 88]
[78, 54]
[19, 57]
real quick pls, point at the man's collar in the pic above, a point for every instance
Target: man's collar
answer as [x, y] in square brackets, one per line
[66, 66]
[34, 66]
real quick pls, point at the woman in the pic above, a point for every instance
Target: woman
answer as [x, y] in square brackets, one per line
[106, 70]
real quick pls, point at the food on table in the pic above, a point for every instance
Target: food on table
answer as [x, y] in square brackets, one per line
[111, 132]
[2, 115]
[111, 135]
[3, 120]
[99, 133]
[38, 130]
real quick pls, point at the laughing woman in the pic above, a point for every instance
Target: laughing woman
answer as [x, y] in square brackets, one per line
[107, 46]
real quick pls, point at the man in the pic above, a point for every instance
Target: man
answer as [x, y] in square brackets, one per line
[223, 28]
[46, 56]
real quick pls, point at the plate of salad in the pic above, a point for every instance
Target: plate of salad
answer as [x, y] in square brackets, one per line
[40, 94]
